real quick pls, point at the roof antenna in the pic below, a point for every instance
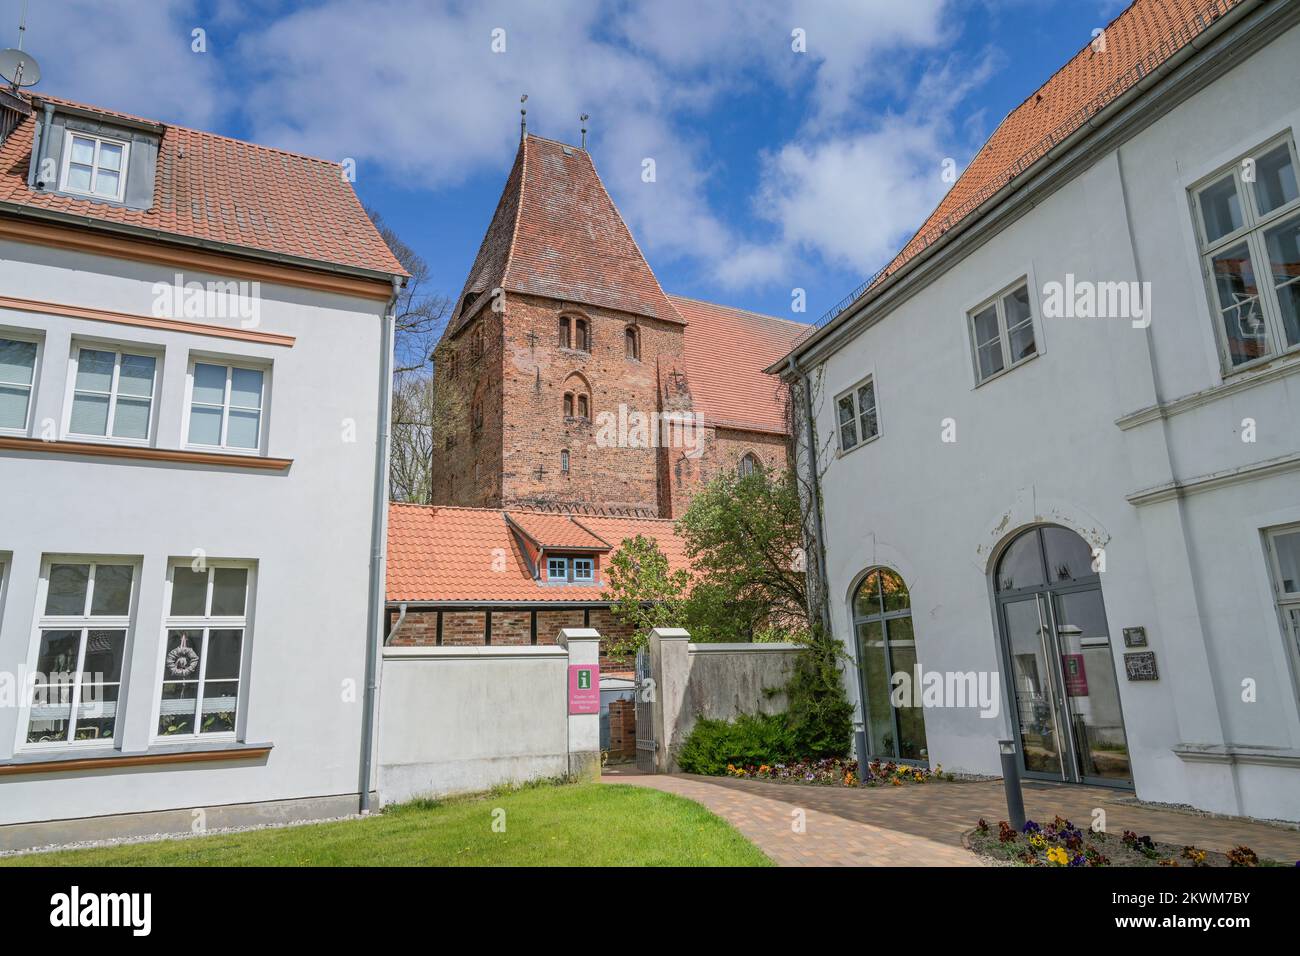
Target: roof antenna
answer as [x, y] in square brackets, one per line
[584, 117]
[523, 118]
[17, 67]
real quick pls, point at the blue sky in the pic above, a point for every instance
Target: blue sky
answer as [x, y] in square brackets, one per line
[774, 169]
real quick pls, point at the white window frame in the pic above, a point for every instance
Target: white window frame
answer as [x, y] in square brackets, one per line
[118, 350]
[206, 623]
[1288, 602]
[1251, 232]
[84, 623]
[31, 338]
[590, 577]
[98, 140]
[550, 576]
[228, 365]
[1004, 333]
[851, 393]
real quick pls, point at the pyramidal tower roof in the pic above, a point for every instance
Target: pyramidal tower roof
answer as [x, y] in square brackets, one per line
[557, 233]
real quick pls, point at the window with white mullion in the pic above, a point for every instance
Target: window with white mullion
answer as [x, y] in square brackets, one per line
[557, 569]
[112, 394]
[226, 406]
[80, 642]
[1002, 332]
[17, 378]
[1284, 560]
[203, 647]
[856, 415]
[94, 166]
[1248, 217]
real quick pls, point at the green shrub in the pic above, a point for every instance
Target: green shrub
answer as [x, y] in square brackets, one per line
[748, 739]
[818, 722]
[820, 717]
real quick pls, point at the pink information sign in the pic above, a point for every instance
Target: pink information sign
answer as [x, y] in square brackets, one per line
[584, 688]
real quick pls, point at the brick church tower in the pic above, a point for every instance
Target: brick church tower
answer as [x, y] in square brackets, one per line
[562, 341]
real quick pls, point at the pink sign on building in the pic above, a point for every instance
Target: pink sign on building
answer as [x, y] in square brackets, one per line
[584, 688]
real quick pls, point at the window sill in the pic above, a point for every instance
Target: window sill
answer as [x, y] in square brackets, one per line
[49, 761]
[862, 444]
[1010, 368]
[143, 453]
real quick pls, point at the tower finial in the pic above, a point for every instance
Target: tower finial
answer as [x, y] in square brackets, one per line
[523, 118]
[584, 117]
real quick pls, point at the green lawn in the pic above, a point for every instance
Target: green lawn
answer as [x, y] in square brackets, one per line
[588, 824]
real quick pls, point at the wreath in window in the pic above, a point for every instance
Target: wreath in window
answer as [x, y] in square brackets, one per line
[183, 660]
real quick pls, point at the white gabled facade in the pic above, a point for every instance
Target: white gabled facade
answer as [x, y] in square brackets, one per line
[258, 553]
[1144, 442]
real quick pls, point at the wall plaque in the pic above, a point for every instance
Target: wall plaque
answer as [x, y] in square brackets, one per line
[1141, 666]
[1135, 637]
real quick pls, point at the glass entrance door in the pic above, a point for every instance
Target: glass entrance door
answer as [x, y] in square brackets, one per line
[1062, 683]
[1033, 686]
[1091, 691]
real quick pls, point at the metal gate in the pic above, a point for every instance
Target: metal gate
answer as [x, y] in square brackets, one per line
[645, 728]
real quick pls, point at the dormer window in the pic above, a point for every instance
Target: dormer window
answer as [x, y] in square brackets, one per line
[94, 166]
[568, 570]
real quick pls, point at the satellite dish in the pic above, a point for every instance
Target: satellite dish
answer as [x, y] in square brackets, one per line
[19, 68]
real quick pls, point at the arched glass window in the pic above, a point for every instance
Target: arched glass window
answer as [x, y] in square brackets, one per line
[882, 618]
[582, 335]
[568, 404]
[564, 332]
[583, 410]
[1044, 556]
[633, 342]
[564, 461]
[748, 465]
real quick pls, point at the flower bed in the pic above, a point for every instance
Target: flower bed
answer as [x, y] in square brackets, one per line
[1061, 843]
[838, 772]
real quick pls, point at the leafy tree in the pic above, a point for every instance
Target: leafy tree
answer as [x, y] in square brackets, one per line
[420, 316]
[744, 538]
[644, 592]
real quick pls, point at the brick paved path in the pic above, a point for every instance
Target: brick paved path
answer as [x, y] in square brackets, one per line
[922, 825]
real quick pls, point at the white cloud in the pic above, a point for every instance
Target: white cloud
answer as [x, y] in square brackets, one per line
[414, 92]
[132, 55]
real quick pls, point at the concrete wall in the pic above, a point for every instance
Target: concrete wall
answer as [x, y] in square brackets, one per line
[463, 719]
[711, 681]
[1041, 444]
[307, 529]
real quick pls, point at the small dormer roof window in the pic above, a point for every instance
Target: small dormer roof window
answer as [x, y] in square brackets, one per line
[94, 166]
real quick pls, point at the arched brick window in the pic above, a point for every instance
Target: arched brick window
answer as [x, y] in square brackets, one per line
[577, 397]
[632, 342]
[749, 465]
[564, 461]
[565, 340]
[581, 335]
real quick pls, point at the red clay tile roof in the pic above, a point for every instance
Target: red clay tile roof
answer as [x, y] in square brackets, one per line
[217, 189]
[1148, 32]
[726, 351]
[437, 553]
[556, 531]
[556, 233]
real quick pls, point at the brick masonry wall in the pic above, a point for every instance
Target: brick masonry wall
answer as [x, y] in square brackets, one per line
[723, 450]
[622, 728]
[537, 373]
[550, 623]
[468, 471]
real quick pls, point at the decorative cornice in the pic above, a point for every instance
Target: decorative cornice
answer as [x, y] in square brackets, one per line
[1182, 487]
[103, 242]
[1233, 386]
[144, 321]
[141, 453]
